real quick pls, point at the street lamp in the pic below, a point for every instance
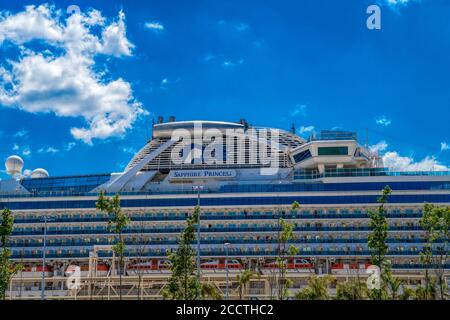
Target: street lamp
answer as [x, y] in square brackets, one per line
[198, 189]
[44, 219]
[226, 245]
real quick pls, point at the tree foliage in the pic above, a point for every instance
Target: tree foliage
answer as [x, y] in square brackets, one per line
[210, 291]
[183, 283]
[243, 279]
[285, 251]
[7, 269]
[377, 244]
[352, 289]
[317, 289]
[435, 222]
[117, 221]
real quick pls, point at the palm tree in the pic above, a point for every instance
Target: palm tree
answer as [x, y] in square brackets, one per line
[350, 290]
[394, 285]
[209, 290]
[317, 289]
[407, 293]
[243, 279]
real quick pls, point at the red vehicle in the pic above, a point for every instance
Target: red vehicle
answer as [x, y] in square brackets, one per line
[291, 264]
[148, 267]
[219, 264]
[141, 268]
[349, 268]
[29, 271]
[164, 264]
[102, 270]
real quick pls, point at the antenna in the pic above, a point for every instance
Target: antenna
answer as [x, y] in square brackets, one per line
[153, 124]
[367, 138]
[293, 128]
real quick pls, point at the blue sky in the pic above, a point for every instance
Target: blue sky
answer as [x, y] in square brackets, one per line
[78, 94]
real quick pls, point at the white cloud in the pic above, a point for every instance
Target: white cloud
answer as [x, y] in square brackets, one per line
[64, 81]
[397, 162]
[129, 150]
[229, 63]
[394, 161]
[21, 133]
[33, 23]
[241, 27]
[397, 2]
[26, 172]
[154, 25]
[48, 150]
[300, 109]
[383, 121]
[70, 146]
[445, 146]
[115, 41]
[237, 26]
[209, 57]
[26, 152]
[380, 146]
[304, 129]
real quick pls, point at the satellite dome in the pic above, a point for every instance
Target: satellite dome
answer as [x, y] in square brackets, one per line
[14, 165]
[39, 173]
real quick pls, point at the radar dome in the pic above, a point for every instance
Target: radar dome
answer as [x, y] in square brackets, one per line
[39, 173]
[14, 165]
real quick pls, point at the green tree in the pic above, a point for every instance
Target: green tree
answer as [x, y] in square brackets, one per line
[243, 279]
[117, 221]
[377, 244]
[435, 222]
[285, 234]
[352, 289]
[426, 292]
[141, 243]
[317, 288]
[210, 291]
[407, 293]
[183, 283]
[7, 269]
[394, 284]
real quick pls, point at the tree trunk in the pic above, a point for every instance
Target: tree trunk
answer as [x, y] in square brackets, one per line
[120, 267]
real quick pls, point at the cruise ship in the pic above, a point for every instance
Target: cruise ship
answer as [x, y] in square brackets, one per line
[244, 178]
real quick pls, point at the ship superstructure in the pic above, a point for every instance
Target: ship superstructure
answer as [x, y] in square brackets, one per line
[245, 179]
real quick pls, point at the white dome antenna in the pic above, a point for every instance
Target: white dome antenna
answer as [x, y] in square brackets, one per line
[14, 166]
[39, 173]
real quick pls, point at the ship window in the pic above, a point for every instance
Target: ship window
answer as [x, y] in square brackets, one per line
[299, 157]
[333, 151]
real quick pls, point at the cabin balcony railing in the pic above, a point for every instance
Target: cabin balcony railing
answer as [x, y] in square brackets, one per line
[22, 232]
[152, 242]
[218, 253]
[364, 172]
[209, 216]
